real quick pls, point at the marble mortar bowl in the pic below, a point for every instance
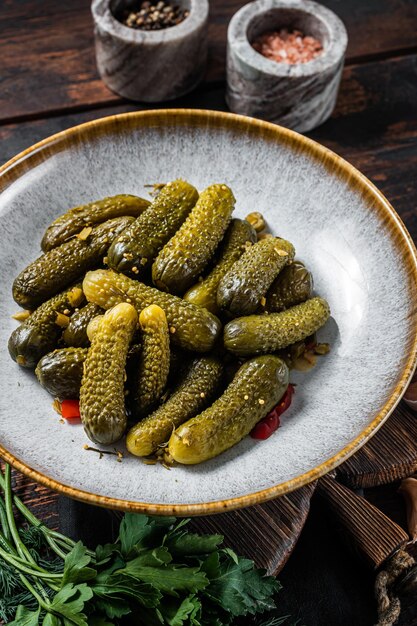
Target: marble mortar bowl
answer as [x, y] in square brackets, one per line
[150, 66]
[299, 96]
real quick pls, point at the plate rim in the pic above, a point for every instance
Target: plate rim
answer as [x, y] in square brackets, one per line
[34, 155]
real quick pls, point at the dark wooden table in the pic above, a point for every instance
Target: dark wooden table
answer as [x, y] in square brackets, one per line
[49, 82]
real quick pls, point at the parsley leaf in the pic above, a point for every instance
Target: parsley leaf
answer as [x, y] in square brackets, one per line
[187, 544]
[69, 603]
[238, 587]
[166, 577]
[120, 588]
[24, 617]
[137, 530]
[181, 614]
[51, 620]
[133, 529]
[75, 566]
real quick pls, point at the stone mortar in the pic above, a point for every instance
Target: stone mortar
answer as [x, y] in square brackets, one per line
[299, 96]
[150, 66]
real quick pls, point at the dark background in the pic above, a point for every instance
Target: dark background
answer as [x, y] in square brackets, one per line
[49, 82]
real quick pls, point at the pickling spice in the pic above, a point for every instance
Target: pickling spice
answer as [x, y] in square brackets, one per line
[289, 47]
[153, 15]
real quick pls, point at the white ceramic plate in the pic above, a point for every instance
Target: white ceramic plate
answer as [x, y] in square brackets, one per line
[361, 256]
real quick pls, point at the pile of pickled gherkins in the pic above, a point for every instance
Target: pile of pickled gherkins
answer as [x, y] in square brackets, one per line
[173, 323]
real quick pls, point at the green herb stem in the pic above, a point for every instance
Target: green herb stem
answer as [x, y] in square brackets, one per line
[19, 564]
[54, 546]
[8, 495]
[64, 542]
[7, 547]
[54, 538]
[43, 603]
[3, 521]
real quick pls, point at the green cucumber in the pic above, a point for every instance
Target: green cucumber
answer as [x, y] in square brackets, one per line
[40, 333]
[154, 359]
[261, 334]
[74, 220]
[188, 252]
[102, 394]
[195, 390]
[191, 326]
[238, 237]
[136, 248]
[62, 266]
[257, 387]
[241, 290]
[60, 372]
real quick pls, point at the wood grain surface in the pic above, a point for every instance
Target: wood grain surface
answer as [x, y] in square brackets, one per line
[49, 82]
[47, 55]
[389, 456]
[375, 534]
[280, 522]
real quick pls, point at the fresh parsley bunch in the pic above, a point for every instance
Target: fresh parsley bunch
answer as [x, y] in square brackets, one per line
[157, 572]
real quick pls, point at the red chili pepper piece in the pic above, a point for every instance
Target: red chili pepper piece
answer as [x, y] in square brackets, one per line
[266, 426]
[285, 402]
[70, 409]
[272, 420]
[261, 431]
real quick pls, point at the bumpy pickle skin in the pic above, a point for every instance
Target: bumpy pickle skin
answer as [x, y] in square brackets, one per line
[40, 333]
[194, 392]
[61, 266]
[242, 288]
[292, 286]
[260, 334]
[75, 335]
[154, 359]
[191, 327]
[239, 235]
[92, 327]
[187, 253]
[135, 249]
[74, 220]
[60, 372]
[102, 397]
[257, 387]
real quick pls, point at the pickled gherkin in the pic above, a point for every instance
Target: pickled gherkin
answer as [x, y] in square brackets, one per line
[93, 325]
[188, 252]
[136, 248]
[154, 359]
[257, 387]
[75, 334]
[74, 220]
[102, 397]
[191, 327]
[195, 391]
[60, 372]
[242, 288]
[238, 237]
[292, 286]
[61, 266]
[261, 334]
[40, 333]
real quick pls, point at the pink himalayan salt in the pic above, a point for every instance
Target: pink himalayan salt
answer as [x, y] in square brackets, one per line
[289, 47]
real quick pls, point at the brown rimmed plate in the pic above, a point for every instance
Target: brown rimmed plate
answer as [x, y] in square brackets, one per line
[362, 258]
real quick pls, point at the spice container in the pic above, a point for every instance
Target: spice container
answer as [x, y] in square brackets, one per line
[147, 64]
[300, 89]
